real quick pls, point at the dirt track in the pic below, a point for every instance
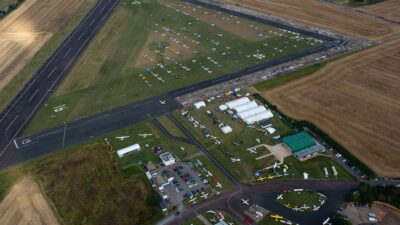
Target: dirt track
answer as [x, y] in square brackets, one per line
[26, 30]
[322, 15]
[25, 205]
[389, 9]
[356, 101]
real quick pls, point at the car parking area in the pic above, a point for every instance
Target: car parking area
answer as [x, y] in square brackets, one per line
[180, 182]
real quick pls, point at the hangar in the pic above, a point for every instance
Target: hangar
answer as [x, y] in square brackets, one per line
[124, 151]
[302, 145]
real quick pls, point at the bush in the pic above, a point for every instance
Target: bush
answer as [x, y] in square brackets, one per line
[366, 194]
[7, 10]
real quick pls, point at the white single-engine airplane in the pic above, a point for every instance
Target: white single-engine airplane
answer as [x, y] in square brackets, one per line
[144, 135]
[245, 201]
[122, 137]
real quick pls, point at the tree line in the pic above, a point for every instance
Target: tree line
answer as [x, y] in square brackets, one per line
[7, 10]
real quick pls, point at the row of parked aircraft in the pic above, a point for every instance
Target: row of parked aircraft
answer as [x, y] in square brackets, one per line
[144, 135]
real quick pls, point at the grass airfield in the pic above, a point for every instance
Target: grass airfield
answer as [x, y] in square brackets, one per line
[159, 46]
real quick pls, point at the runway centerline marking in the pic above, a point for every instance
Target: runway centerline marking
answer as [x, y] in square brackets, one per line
[51, 73]
[30, 99]
[80, 36]
[9, 125]
[69, 50]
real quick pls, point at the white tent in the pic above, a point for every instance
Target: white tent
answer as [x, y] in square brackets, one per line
[199, 105]
[122, 152]
[252, 111]
[271, 130]
[237, 102]
[226, 129]
[222, 107]
[246, 106]
[257, 117]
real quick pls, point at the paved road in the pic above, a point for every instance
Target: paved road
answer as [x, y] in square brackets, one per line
[203, 149]
[265, 195]
[17, 115]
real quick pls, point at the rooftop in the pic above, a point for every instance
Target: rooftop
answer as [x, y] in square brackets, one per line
[299, 141]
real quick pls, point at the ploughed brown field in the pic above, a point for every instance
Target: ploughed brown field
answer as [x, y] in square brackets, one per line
[319, 14]
[389, 9]
[356, 100]
[27, 29]
[25, 205]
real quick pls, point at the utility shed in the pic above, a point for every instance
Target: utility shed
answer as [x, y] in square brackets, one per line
[299, 141]
[124, 151]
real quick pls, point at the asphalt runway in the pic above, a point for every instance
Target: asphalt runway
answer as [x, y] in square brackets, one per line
[17, 115]
[85, 129]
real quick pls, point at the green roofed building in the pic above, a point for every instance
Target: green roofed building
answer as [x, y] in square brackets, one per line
[299, 141]
[302, 145]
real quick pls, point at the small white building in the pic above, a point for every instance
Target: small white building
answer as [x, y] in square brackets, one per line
[226, 129]
[124, 151]
[167, 159]
[237, 102]
[199, 105]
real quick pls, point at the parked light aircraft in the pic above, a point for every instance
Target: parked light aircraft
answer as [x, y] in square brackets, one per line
[245, 201]
[277, 217]
[144, 135]
[259, 214]
[261, 179]
[122, 137]
[204, 195]
[235, 160]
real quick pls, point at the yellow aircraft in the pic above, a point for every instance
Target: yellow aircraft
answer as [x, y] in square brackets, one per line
[261, 179]
[277, 217]
[285, 166]
[270, 177]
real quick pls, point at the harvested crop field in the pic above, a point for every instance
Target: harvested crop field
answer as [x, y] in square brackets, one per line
[319, 14]
[356, 101]
[386, 214]
[389, 9]
[25, 204]
[27, 29]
